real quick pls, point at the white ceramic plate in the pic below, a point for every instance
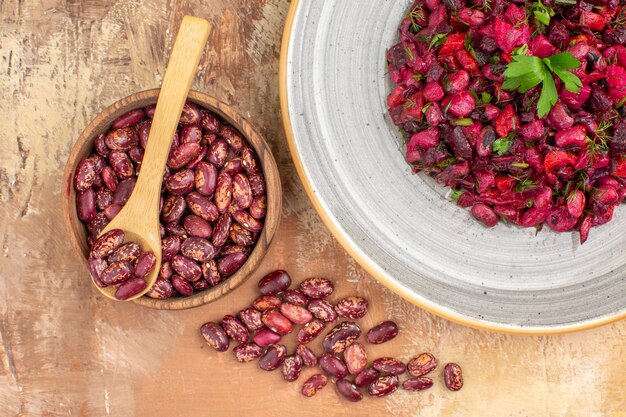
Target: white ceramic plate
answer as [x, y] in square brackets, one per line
[400, 226]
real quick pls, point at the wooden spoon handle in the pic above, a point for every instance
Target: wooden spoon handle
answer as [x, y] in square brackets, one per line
[181, 70]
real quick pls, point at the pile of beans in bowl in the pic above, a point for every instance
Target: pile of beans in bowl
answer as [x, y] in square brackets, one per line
[543, 142]
[261, 332]
[213, 201]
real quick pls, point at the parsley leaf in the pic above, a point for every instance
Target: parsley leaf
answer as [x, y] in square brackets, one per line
[455, 195]
[437, 40]
[502, 145]
[542, 12]
[526, 72]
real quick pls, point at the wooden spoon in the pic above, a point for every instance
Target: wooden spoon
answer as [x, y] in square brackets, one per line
[140, 216]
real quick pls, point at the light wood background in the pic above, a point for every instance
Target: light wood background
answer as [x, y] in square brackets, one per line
[67, 351]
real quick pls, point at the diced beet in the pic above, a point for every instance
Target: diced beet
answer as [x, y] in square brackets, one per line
[459, 144]
[579, 50]
[598, 101]
[532, 131]
[617, 145]
[559, 35]
[559, 117]
[574, 136]
[485, 214]
[467, 61]
[541, 47]
[396, 98]
[484, 144]
[453, 43]
[575, 101]
[592, 20]
[491, 112]
[462, 104]
[425, 139]
[434, 115]
[616, 79]
[507, 121]
[534, 217]
[456, 82]
[433, 91]
[472, 17]
[484, 180]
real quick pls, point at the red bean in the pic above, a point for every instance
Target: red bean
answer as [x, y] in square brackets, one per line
[209, 122]
[170, 247]
[273, 357]
[109, 178]
[232, 167]
[366, 377]
[247, 221]
[275, 282]
[266, 302]
[221, 229]
[198, 249]
[104, 198]
[235, 329]
[161, 290]
[266, 337]
[322, 310]
[241, 236]
[181, 183]
[277, 322]
[249, 160]
[117, 273]
[190, 114]
[229, 264]
[308, 357]
[312, 385]
[296, 297]
[382, 332]
[173, 208]
[341, 336]
[251, 318]
[183, 154]
[101, 147]
[223, 193]
[295, 314]
[197, 226]
[242, 193]
[417, 384]
[129, 119]
[210, 273]
[205, 178]
[96, 267]
[317, 287]
[383, 386]
[130, 288]
[186, 268]
[86, 205]
[355, 358]
[247, 352]
[182, 286]
[215, 336]
[258, 208]
[107, 243]
[422, 365]
[232, 136]
[121, 139]
[310, 331]
[333, 366]
[453, 376]
[352, 307]
[202, 206]
[292, 367]
[348, 390]
[123, 191]
[217, 153]
[85, 175]
[389, 366]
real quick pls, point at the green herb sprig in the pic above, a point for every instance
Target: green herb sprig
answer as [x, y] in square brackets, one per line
[525, 72]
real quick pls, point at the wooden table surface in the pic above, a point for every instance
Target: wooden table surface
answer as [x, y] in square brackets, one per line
[66, 351]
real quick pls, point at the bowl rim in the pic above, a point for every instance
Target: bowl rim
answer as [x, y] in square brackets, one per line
[102, 121]
[363, 260]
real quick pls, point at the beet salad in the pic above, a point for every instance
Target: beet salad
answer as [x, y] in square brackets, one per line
[518, 107]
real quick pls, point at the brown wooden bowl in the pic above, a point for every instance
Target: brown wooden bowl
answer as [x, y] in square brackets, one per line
[101, 123]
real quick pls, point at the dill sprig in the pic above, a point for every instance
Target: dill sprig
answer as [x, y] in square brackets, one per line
[416, 14]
